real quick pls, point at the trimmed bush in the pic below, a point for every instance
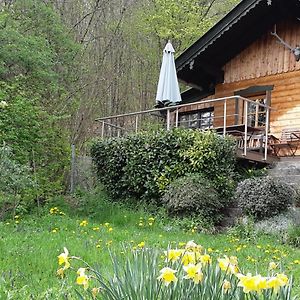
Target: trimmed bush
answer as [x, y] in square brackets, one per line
[193, 195]
[143, 165]
[264, 197]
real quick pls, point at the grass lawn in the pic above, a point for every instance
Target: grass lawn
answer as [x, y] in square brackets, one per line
[30, 246]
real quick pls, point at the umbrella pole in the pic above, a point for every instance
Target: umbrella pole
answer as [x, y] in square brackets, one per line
[168, 119]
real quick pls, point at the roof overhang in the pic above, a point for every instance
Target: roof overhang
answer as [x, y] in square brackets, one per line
[200, 66]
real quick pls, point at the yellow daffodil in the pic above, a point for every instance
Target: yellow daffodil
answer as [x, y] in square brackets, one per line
[173, 254]
[205, 259]
[276, 282]
[192, 246]
[60, 272]
[226, 285]
[82, 278]
[167, 275]
[228, 264]
[252, 283]
[193, 272]
[188, 258]
[63, 258]
[272, 265]
[95, 292]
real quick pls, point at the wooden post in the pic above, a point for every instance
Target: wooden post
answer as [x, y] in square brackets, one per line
[136, 123]
[246, 127]
[102, 131]
[176, 120]
[267, 132]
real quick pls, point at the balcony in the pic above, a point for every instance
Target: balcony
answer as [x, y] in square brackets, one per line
[247, 121]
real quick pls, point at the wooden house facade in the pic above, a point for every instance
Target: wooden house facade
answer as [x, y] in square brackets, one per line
[252, 52]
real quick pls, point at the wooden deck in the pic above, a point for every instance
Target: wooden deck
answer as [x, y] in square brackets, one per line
[257, 157]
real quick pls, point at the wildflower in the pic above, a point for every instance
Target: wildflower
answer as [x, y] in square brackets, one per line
[191, 245]
[173, 254]
[150, 223]
[272, 265]
[151, 219]
[296, 262]
[110, 229]
[106, 224]
[63, 258]
[228, 264]
[3, 104]
[54, 210]
[205, 259]
[193, 272]
[252, 283]
[96, 228]
[277, 282]
[167, 275]
[188, 258]
[95, 292]
[141, 245]
[226, 285]
[60, 272]
[141, 224]
[82, 278]
[83, 223]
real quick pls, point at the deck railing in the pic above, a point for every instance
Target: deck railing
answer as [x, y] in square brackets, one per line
[231, 115]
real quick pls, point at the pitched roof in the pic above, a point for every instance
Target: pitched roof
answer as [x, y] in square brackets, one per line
[200, 66]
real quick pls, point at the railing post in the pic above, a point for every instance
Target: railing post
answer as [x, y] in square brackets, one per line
[168, 119]
[102, 130]
[267, 132]
[176, 118]
[246, 127]
[136, 123]
[225, 116]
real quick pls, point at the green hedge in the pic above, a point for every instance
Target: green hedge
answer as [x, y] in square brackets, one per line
[143, 165]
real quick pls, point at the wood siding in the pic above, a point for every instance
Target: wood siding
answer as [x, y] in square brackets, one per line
[266, 56]
[285, 98]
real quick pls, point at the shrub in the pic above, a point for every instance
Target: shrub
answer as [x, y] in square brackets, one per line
[264, 197]
[143, 165]
[192, 195]
[16, 184]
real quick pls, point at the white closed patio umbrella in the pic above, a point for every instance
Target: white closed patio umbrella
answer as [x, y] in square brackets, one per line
[168, 89]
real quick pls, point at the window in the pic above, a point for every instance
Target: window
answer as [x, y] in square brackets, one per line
[202, 119]
[256, 113]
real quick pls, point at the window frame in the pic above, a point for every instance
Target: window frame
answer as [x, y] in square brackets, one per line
[199, 113]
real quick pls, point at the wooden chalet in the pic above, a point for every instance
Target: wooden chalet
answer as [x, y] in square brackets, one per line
[253, 52]
[244, 78]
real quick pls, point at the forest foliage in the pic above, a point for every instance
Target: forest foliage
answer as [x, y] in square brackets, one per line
[63, 63]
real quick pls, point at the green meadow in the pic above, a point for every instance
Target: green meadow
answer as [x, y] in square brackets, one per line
[91, 227]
